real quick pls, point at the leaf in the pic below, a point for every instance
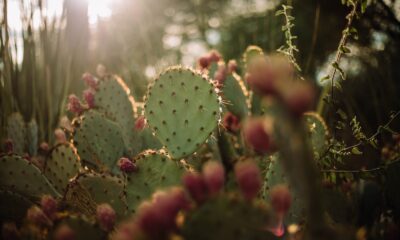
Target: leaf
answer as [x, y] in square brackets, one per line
[356, 151]
[342, 114]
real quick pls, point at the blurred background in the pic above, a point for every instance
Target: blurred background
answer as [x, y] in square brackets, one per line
[46, 46]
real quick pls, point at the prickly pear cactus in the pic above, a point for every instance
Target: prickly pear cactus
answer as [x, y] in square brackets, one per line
[156, 170]
[246, 221]
[237, 96]
[32, 137]
[182, 108]
[113, 98]
[276, 175]
[317, 132]
[82, 227]
[251, 53]
[13, 206]
[21, 176]
[91, 189]
[61, 165]
[16, 131]
[99, 141]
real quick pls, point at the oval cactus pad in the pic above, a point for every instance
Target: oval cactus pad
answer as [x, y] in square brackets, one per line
[182, 108]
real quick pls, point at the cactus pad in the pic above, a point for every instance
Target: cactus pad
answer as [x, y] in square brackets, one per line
[155, 171]
[114, 100]
[32, 137]
[183, 109]
[275, 176]
[251, 53]
[98, 140]
[16, 131]
[317, 132]
[225, 217]
[21, 176]
[61, 165]
[19, 203]
[102, 188]
[236, 94]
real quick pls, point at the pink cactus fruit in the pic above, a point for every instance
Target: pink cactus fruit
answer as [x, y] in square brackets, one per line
[232, 66]
[298, 96]
[74, 105]
[214, 56]
[126, 165]
[65, 123]
[196, 186]
[101, 70]
[88, 95]
[90, 81]
[204, 62]
[214, 176]
[231, 122]
[49, 206]
[248, 177]
[140, 123]
[106, 216]
[36, 216]
[60, 136]
[64, 232]
[281, 199]
[258, 134]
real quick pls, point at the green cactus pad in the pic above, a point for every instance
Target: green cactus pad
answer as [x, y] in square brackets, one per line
[61, 165]
[225, 217]
[183, 108]
[32, 137]
[19, 175]
[16, 131]
[237, 97]
[113, 98]
[317, 132]
[155, 171]
[13, 206]
[251, 53]
[98, 140]
[102, 188]
[83, 228]
[276, 175]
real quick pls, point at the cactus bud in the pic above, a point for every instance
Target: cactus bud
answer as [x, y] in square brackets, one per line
[258, 134]
[101, 70]
[231, 122]
[65, 123]
[64, 232]
[280, 199]
[248, 178]
[36, 216]
[126, 165]
[88, 95]
[74, 105]
[214, 176]
[214, 56]
[44, 148]
[204, 62]
[60, 136]
[90, 81]
[49, 206]
[196, 186]
[9, 231]
[220, 75]
[140, 123]
[106, 216]
[232, 66]
[298, 97]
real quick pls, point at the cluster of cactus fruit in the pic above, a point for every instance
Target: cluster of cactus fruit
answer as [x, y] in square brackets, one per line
[225, 151]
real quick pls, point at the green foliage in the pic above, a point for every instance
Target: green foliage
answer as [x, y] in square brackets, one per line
[156, 170]
[98, 140]
[183, 109]
[61, 165]
[16, 131]
[21, 176]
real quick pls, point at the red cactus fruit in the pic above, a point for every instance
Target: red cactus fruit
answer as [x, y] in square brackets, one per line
[126, 165]
[49, 206]
[196, 186]
[298, 96]
[74, 105]
[36, 216]
[64, 232]
[258, 134]
[214, 56]
[248, 178]
[231, 122]
[90, 81]
[280, 199]
[140, 123]
[232, 66]
[220, 75]
[88, 95]
[204, 62]
[214, 176]
[60, 136]
[106, 216]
